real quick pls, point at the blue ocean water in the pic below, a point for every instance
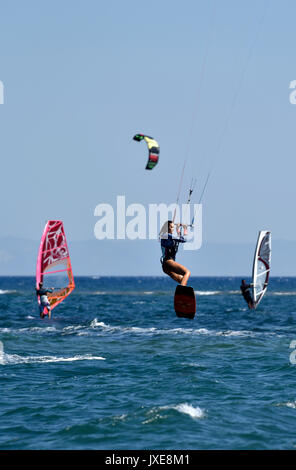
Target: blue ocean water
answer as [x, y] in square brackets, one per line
[116, 369]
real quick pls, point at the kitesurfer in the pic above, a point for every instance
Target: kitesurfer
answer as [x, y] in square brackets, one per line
[169, 247]
[245, 288]
[44, 302]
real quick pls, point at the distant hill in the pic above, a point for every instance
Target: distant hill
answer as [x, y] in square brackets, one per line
[141, 257]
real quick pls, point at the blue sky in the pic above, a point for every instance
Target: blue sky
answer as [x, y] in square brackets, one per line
[209, 80]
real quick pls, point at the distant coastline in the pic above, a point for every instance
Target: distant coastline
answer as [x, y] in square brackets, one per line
[141, 258]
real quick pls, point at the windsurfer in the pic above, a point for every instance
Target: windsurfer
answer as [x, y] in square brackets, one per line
[44, 302]
[245, 288]
[169, 247]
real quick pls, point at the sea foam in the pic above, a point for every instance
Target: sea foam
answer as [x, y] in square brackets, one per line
[195, 412]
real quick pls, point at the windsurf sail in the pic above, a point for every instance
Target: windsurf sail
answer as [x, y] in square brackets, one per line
[53, 263]
[261, 266]
[153, 149]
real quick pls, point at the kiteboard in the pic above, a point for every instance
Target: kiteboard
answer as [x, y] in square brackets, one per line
[185, 302]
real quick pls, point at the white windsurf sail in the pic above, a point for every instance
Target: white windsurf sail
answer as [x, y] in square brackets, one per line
[261, 266]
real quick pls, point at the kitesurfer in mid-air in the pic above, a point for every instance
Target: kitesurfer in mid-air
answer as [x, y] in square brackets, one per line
[245, 288]
[44, 302]
[169, 248]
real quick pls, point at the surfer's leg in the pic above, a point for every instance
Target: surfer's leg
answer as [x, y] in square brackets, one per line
[41, 311]
[177, 277]
[48, 310]
[185, 277]
[168, 269]
[184, 272]
[249, 300]
[177, 272]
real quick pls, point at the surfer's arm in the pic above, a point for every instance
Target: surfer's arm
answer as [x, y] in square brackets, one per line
[49, 290]
[181, 238]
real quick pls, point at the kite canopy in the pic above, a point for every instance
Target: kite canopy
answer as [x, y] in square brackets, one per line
[153, 149]
[53, 263]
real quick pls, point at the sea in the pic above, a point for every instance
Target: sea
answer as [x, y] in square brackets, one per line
[115, 368]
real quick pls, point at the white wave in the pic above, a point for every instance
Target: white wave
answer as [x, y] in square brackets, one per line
[126, 329]
[94, 323]
[192, 364]
[235, 333]
[217, 292]
[291, 404]
[37, 329]
[126, 292]
[89, 329]
[202, 331]
[205, 331]
[137, 329]
[193, 412]
[71, 328]
[282, 293]
[6, 359]
[207, 292]
[33, 329]
[5, 330]
[7, 291]
[172, 331]
[1, 353]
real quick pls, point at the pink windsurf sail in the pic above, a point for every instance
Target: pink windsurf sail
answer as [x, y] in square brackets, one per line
[54, 264]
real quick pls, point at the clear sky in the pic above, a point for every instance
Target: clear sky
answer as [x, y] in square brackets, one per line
[208, 79]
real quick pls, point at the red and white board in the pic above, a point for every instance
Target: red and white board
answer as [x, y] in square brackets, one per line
[185, 302]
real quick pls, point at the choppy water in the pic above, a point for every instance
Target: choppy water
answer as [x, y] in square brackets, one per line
[116, 369]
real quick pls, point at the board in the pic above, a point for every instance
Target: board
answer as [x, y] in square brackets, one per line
[185, 302]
